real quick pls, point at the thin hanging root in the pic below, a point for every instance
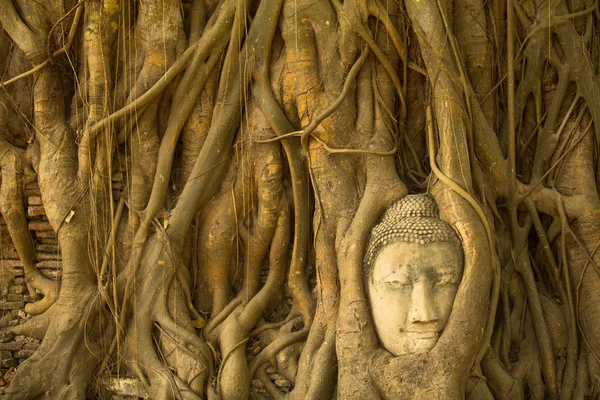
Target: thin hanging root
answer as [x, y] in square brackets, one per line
[569, 376]
[332, 150]
[306, 132]
[542, 334]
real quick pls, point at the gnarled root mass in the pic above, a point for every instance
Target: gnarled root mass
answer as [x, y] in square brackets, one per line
[212, 170]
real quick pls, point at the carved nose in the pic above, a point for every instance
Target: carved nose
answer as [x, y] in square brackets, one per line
[422, 309]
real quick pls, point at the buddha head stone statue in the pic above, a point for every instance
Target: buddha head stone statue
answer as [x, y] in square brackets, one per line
[413, 266]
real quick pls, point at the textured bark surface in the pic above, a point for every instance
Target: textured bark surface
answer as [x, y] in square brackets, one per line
[212, 171]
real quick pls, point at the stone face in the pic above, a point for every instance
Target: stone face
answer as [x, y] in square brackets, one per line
[413, 267]
[411, 292]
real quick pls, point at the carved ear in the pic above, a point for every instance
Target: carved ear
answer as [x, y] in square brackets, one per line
[469, 316]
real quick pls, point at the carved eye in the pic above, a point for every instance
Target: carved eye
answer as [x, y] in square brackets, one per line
[446, 279]
[398, 284]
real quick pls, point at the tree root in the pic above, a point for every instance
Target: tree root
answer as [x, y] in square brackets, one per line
[48, 371]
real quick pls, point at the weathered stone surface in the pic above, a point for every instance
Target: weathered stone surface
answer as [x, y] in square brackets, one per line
[14, 297]
[125, 387]
[283, 383]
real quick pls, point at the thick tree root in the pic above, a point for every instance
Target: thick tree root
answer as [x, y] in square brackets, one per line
[48, 371]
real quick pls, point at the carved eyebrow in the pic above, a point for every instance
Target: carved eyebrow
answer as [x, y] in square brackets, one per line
[446, 269]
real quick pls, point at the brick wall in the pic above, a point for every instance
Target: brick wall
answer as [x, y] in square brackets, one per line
[13, 291]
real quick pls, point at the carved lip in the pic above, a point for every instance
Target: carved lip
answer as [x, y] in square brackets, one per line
[422, 335]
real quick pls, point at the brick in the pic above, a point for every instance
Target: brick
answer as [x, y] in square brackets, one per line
[49, 264]
[31, 346]
[7, 248]
[45, 234]
[19, 281]
[48, 256]
[4, 354]
[31, 192]
[11, 346]
[6, 337]
[14, 297]
[10, 362]
[48, 240]
[35, 211]
[10, 263]
[34, 200]
[11, 305]
[23, 353]
[39, 225]
[17, 289]
[47, 248]
[51, 273]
